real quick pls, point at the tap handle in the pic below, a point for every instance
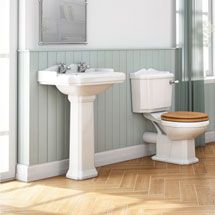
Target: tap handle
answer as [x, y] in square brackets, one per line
[62, 64]
[83, 64]
[68, 67]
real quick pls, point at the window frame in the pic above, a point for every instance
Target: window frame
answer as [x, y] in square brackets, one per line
[12, 55]
[210, 72]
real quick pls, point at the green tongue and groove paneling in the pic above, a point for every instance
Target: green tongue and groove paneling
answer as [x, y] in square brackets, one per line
[43, 124]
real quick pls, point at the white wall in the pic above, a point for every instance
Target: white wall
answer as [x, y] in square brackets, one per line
[111, 24]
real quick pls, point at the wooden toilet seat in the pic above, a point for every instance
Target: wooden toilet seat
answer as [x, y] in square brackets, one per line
[184, 116]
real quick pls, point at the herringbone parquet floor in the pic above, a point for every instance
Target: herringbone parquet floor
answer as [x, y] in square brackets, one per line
[140, 186]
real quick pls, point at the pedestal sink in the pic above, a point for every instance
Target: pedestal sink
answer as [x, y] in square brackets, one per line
[81, 89]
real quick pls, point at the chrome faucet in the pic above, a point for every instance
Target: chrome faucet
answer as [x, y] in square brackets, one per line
[82, 67]
[62, 68]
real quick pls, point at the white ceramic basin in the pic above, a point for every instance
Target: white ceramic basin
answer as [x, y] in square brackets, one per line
[92, 82]
[81, 89]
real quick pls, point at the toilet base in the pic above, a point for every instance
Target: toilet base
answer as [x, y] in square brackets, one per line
[174, 161]
[177, 152]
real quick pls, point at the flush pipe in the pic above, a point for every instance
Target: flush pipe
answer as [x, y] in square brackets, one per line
[151, 137]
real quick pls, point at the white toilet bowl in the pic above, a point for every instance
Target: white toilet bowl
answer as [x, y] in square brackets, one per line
[184, 131]
[175, 141]
[178, 130]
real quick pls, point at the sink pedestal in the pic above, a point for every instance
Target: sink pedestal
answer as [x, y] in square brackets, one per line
[81, 156]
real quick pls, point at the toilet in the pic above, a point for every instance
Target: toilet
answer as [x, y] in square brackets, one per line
[176, 131]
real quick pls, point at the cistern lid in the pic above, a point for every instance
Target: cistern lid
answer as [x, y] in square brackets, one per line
[150, 74]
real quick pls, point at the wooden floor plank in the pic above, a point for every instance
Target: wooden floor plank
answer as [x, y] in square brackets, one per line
[188, 194]
[206, 195]
[142, 182]
[115, 177]
[172, 189]
[129, 179]
[156, 188]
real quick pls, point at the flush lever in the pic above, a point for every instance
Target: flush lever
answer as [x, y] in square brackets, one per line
[173, 82]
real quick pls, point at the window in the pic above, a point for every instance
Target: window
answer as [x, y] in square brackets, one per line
[179, 22]
[4, 86]
[208, 31]
[207, 12]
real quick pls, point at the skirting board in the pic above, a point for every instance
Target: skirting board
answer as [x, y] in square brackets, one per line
[210, 137]
[46, 170]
